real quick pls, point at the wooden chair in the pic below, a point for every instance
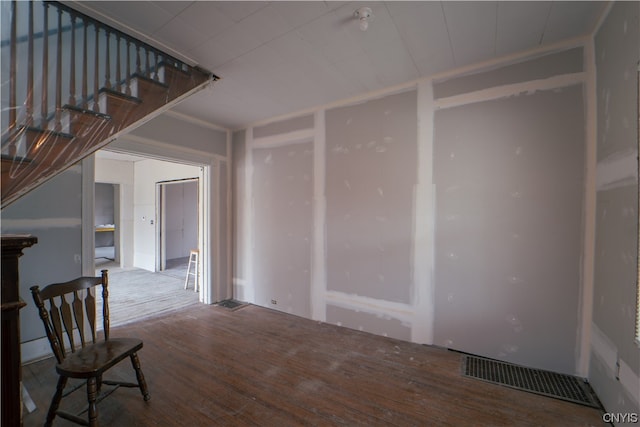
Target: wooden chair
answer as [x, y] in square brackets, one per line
[67, 305]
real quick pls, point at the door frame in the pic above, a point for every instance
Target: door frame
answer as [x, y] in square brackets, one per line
[161, 235]
[214, 288]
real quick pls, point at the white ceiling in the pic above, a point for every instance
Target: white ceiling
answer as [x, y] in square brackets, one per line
[279, 57]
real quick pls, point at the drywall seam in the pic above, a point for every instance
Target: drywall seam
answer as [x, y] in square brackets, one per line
[423, 301]
[249, 290]
[585, 313]
[514, 89]
[402, 312]
[617, 170]
[195, 121]
[88, 227]
[230, 251]
[216, 228]
[607, 352]
[604, 349]
[297, 136]
[510, 59]
[319, 264]
[40, 223]
[601, 19]
[630, 381]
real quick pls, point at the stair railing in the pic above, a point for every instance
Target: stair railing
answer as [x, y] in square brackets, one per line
[107, 62]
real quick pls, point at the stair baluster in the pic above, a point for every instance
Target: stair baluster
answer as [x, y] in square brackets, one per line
[118, 76]
[29, 103]
[128, 84]
[107, 77]
[13, 103]
[44, 107]
[155, 75]
[58, 123]
[96, 71]
[72, 76]
[148, 69]
[85, 59]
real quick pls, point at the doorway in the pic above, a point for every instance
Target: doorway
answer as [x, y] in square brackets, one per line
[177, 206]
[106, 214]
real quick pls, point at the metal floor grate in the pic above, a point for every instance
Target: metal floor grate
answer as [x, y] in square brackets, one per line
[231, 304]
[559, 386]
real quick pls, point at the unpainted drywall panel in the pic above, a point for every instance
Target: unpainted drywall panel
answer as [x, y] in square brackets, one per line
[368, 322]
[282, 215]
[168, 129]
[613, 397]
[565, 62]
[617, 55]
[509, 193]
[615, 269]
[53, 214]
[371, 170]
[284, 126]
[238, 175]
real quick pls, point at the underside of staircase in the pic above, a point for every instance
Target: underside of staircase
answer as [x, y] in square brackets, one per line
[76, 84]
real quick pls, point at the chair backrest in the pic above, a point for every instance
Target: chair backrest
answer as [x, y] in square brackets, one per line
[62, 308]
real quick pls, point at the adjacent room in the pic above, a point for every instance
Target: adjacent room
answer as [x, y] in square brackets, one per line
[389, 203]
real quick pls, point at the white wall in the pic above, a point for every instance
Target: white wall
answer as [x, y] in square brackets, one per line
[146, 174]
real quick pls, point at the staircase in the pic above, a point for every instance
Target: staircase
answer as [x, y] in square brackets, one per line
[74, 85]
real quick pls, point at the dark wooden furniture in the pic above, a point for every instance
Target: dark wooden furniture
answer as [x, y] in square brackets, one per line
[12, 246]
[68, 303]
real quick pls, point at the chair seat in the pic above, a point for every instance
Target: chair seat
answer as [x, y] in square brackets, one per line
[94, 359]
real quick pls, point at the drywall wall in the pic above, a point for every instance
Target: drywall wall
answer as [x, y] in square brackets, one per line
[509, 196]
[147, 173]
[282, 211]
[371, 173]
[472, 203]
[615, 357]
[53, 214]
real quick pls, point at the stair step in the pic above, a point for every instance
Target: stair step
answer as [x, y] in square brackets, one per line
[123, 109]
[84, 122]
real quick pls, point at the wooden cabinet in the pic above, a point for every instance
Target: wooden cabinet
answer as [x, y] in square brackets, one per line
[12, 246]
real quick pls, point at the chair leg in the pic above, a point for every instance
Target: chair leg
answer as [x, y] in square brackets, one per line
[55, 402]
[92, 395]
[140, 376]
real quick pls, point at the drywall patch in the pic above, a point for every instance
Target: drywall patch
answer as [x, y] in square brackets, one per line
[566, 62]
[372, 170]
[618, 170]
[378, 324]
[284, 126]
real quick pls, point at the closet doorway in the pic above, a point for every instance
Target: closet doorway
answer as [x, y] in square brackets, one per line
[178, 209]
[106, 214]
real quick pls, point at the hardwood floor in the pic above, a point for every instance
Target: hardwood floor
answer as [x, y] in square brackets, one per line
[136, 294]
[211, 366]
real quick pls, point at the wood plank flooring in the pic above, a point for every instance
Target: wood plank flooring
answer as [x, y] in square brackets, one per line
[207, 366]
[136, 294]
